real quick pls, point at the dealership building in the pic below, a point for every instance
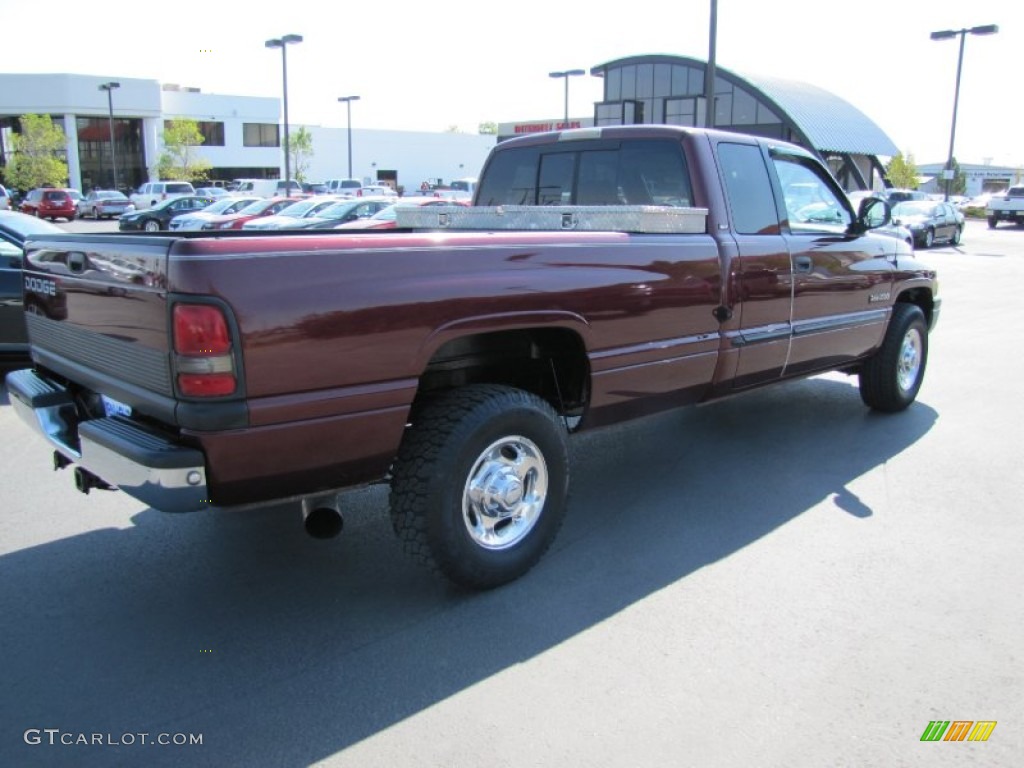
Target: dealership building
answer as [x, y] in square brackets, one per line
[978, 179]
[671, 90]
[242, 134]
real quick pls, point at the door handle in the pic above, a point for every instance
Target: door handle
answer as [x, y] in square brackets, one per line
[803, 263]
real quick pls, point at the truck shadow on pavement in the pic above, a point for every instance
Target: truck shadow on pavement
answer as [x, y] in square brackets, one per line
[281, 650]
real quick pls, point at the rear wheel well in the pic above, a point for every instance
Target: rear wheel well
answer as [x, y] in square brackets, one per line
[549, 362]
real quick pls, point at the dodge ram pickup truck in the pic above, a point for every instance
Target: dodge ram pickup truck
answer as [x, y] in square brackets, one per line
[600, 275]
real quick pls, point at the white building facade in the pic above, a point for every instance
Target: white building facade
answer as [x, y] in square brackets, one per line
[242, 135]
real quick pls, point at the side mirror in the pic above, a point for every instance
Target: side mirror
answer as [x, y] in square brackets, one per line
[873, 212]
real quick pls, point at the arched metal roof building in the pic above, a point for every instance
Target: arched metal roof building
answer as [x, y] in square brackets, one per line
[670, 89]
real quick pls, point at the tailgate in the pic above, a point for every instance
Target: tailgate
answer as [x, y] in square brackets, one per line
[96, 311]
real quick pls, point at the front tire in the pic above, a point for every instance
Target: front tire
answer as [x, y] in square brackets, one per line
[479, 489]
[892, 377]
[992, 221]
[929, 238]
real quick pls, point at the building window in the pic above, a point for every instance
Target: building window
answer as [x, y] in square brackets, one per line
[260, 135]
[681, 112]
[619, 113]
[213, 133]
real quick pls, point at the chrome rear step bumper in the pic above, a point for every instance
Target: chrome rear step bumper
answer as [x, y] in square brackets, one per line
[142, 463]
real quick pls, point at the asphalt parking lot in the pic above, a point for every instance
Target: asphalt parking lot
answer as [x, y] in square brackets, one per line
[781, 579]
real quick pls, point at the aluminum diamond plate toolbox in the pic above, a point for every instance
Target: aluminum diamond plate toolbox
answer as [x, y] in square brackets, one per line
[581, 218]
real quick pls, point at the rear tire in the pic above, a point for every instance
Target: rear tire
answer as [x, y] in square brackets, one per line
[957, 234]
[151, 225]
[892, 377]
[992, 221]
[479, 489]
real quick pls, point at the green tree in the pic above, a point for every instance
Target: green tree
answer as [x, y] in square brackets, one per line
[300, 147]
[959, 185]
[179, 161]
[34, 160]
[488, 128]
[902, 172]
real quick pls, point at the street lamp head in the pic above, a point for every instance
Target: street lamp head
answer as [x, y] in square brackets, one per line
[949, 34]
[568, 73]
[109, 86]
[281, 42]
[985, 29]
[348, 98]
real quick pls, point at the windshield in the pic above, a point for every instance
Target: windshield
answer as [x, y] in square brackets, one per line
[220, 206]
[913, 209]
[386, 214]
[23, 226]
[336, 211]
[299, 209]
[254, 207]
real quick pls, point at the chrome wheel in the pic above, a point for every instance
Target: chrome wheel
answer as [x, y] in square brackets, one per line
[505, 492]
[908, 367]
[152, 226]
[929, 238]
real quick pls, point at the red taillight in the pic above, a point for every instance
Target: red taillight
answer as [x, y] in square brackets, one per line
[202, 346]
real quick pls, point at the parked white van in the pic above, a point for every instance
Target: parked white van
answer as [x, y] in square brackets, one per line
[153, 192]
[264, 187]
[343, 186]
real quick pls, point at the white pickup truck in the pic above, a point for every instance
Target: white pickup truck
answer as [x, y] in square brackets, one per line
[1009, 207]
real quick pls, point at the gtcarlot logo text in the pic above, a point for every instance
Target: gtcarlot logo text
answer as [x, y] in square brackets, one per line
[56, 737]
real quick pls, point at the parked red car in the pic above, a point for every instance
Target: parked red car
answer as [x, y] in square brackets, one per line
[50, 204]
[264, 207]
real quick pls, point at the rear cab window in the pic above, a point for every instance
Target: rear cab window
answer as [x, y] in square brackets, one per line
[601, 172]
[748, 189]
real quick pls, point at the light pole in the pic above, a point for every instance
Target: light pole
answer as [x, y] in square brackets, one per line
[709, 72]
[348, 107]
[282, 43]
[109, 88]
[566, 75]
[948, 34]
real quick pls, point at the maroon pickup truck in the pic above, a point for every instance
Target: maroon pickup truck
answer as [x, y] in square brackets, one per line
[600, 275]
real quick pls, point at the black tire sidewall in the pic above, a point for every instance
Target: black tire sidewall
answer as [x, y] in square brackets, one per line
[456, 553]
[879, 383]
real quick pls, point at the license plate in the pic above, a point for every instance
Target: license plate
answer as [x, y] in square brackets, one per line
[113, 408]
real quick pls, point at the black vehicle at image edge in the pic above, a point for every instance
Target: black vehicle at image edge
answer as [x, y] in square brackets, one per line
[15, 227]
[159, 216]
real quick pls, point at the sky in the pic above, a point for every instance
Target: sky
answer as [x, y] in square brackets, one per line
[428, 66]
